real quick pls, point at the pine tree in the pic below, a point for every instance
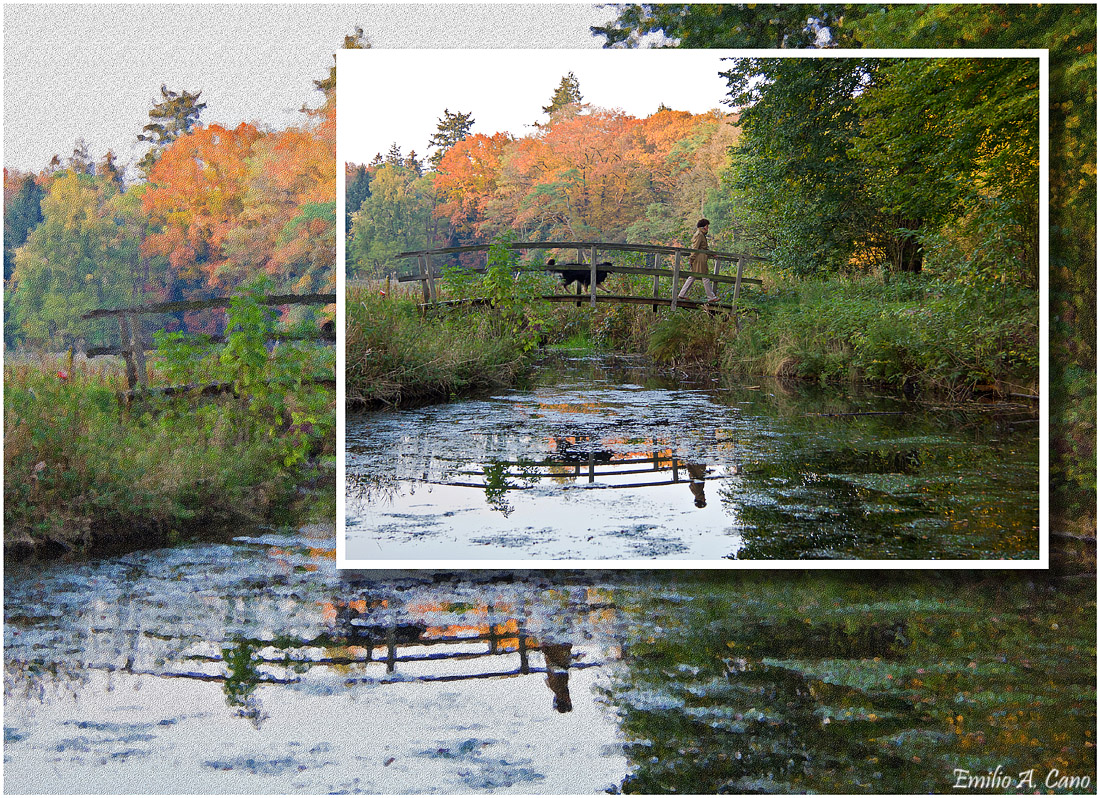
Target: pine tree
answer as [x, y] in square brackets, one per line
[567, 93]
[22, 213]
[110, 171]
[452, 128]
[170, 118]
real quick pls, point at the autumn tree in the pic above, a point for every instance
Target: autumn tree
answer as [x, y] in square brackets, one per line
[195, 197]
[451, 129]
[172, 117]
[287, 224]
[466, 181]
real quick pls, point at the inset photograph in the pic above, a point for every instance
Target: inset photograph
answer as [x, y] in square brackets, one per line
[692, 308]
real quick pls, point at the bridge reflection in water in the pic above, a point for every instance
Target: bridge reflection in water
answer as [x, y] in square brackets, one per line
[586, 498]
[318, 683]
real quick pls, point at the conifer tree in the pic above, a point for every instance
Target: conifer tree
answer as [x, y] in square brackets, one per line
[452, 128]
[567, 93]
[173, 116]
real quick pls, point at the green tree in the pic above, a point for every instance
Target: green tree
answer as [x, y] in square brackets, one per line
[568, 92]
[1069, 33]
[173, 116]
[955, 143]
[451, 129]
[356, 40]
[397, 216]
[84, 255]
[356, 190]
[22, 213]
[81, 159]
[801, 184]
[732, 24]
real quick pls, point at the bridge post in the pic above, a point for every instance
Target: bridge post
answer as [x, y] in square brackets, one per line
[521, 646]
[592, 279]
[431, 277]
[737, 290]
[127, 346]
[137, 347]
[675, 279]
[656, 279]
[423, 277]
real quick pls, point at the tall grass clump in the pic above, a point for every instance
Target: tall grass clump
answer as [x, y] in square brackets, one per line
[398, 354]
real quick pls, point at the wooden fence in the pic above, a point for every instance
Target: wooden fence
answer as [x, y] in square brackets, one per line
[133, 346]
[588, 255]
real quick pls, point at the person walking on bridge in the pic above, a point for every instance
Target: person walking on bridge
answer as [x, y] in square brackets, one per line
[698, 261]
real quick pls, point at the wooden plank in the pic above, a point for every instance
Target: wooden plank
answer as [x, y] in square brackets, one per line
[137, 351]
[592, 277]
[725, 279]
[206, 340]
[220, 302]
[124, 336]
[211, 389]
[675, 280]
[581, 245]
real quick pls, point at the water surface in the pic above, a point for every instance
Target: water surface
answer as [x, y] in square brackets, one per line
[253, 666]
[606, 460]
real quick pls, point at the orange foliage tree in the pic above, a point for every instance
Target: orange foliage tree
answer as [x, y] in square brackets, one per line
[196, 194]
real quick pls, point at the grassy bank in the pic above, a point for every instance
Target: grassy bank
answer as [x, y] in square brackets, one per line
[398, 355]
[83, 470]
[913, 332]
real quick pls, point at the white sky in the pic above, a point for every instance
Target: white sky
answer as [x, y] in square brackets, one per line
[399, 96]
[93, 70]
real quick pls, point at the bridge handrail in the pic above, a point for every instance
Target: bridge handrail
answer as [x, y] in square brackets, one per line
[643, 270]
[620, 247]
[218, 302]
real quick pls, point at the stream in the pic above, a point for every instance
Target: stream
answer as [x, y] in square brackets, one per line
[605, 459]
[253, 665]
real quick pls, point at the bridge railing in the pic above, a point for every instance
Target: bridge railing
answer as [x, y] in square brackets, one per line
[133, 344]
[427, 272]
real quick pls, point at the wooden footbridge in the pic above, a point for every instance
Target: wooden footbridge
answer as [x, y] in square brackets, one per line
[588, 258]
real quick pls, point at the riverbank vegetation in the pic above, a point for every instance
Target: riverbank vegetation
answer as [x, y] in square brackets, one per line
[85, 467]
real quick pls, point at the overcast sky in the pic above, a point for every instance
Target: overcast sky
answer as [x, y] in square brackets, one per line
[93, 70]
[399, 96]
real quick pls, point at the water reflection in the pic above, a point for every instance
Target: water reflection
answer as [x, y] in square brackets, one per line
[254, 666]
[588, 465]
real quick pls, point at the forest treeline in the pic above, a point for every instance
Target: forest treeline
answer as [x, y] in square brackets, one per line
[208, 210]
[825, 165]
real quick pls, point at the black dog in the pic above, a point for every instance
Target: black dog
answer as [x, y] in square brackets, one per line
[579, 273]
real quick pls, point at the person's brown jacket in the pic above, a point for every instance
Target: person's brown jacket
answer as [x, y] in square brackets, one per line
[699, 259]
